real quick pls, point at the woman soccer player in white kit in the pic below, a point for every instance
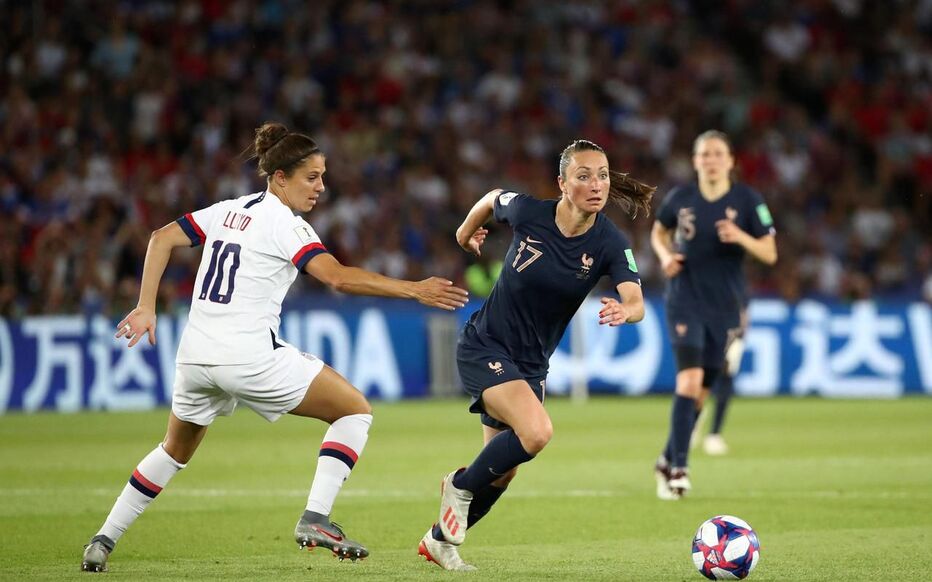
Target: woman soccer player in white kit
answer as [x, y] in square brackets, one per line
[230, 351]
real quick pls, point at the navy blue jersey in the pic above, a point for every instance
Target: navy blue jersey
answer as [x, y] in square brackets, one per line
[545, 278]
[712, 279]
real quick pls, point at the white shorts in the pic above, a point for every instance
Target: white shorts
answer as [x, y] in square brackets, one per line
[271, 388]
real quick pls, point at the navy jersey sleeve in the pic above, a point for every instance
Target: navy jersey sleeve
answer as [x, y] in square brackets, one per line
[508, 207]
[621, 266]
[667, 213]
[761, 221]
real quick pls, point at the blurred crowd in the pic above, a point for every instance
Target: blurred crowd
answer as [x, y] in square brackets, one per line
[116, 117]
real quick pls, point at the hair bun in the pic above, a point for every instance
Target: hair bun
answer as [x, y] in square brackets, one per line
[268, 135]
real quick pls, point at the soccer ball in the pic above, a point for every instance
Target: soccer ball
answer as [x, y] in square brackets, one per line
[725, 548]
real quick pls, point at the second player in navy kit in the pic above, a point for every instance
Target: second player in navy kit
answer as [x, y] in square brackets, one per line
[701, 235]
[560, 249]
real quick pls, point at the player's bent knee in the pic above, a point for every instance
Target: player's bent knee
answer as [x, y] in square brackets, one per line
[366, 408]
[179, 452]
[689, 383]
[359, 406]
[536, 439]
[694, 392]
[359, 403]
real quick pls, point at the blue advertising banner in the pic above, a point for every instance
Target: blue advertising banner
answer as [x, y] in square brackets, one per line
[859, 350]
[73, 362]
[865, 349]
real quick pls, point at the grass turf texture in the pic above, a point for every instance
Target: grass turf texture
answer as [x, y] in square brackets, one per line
[837, 490]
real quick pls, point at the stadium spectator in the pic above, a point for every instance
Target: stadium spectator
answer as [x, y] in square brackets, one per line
[152, 110]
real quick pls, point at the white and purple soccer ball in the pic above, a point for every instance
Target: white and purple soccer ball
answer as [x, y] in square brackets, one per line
[725, 548]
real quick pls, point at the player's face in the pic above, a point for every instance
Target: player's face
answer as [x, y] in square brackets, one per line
[587, 181]
[712, 160]
[305, 186]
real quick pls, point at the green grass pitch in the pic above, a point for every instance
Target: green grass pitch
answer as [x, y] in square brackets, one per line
[837, 490]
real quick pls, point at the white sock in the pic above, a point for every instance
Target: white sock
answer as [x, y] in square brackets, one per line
[152, 474]
[342, 446]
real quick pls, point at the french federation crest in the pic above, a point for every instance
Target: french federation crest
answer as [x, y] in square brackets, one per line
[584, 268]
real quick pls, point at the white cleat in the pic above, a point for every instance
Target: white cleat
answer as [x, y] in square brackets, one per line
[454, 508]
[443, 554]
[662, 475]
[679, 482]
[714, 445]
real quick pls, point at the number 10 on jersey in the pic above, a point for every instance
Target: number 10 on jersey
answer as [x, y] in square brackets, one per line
[216, 270]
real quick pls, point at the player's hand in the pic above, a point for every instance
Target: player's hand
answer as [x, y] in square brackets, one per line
[475, 241]
[729, 232]
[437, 292]
[673, 264]
[613, 313]
[138, 322]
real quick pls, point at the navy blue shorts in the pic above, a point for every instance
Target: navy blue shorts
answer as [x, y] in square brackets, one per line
[701, 342]
[481, 367]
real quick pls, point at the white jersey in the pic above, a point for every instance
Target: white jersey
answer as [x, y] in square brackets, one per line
[254, 247]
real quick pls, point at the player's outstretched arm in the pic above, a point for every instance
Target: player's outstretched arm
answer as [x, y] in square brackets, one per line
[629, 310]
[471, 234]
[141, 321]
[433, 292]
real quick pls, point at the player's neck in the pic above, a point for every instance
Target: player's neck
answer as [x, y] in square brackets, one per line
[571, 221]
[279, 194]
[712, 191]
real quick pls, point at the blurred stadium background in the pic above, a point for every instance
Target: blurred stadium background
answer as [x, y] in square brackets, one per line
[117, 117]
[113, 127]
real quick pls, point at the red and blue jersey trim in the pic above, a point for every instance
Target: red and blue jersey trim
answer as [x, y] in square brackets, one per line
[191, 228]
[306, 253]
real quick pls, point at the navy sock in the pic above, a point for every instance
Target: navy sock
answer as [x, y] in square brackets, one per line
[482, 502]
[436, 533]
[723, 392]
[502, 454]
[668, 450]
[682, 419]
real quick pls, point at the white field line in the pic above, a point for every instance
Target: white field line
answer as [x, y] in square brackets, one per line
[373, 493]
[412, 494]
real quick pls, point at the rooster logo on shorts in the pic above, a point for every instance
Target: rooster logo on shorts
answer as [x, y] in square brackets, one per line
[497, 368]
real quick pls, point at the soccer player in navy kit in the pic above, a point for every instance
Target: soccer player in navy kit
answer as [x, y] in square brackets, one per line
[560, 249]
[701, 235]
